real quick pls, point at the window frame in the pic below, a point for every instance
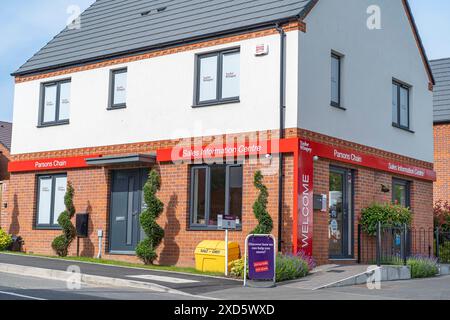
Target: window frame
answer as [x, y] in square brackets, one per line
[112, 82]
[407, 185]
[219, 74]
[337, 104]
[397, 123]
[51, 225]
[206, 227]
[57, 122]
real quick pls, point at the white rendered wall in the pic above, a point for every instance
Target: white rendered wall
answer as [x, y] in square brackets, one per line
[371, 60]
[160, 99]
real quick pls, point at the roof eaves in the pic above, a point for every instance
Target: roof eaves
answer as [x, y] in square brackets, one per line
[159, 46]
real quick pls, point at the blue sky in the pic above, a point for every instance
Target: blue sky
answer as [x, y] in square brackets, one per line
[28, 25]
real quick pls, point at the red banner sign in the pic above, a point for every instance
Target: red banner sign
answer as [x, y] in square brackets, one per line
[49, 164]
[214, 151]
[365, 160]
[305, 199]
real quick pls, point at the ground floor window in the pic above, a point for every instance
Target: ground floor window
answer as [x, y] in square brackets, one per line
[215, 190]
[401, 192]
[50, 200]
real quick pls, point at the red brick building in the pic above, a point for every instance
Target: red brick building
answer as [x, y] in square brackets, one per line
[441, 71]
[208, 107]
[5, 147]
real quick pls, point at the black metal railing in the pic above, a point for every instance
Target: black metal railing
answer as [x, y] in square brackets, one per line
[394, 245]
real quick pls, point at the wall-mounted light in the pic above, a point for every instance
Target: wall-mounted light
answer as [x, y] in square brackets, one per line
[316, 158]
[385, 189]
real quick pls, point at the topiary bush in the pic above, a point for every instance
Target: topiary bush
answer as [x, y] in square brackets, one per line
[265, 222]
[62, 242]
[423, 267]
[5, 240]
[387, 214]
[146, 249]
[291, 267]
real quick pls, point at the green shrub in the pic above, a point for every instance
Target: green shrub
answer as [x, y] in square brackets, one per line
[146, 249]
[5, 240]
[422, 267]
[291, 267]
[237, 268]
[62, 242]
[387, 214]
[265, 222]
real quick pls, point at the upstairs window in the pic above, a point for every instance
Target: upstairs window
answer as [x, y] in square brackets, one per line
[118, 89]
[218, 77]
[55, 103]
[400, 105]
[50, 200]
[335, 80]
[215, 190]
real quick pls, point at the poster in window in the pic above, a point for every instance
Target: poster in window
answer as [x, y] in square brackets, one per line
[231, 75]
[64, 101]
[60, 191]
[45, 200]
[120, 88]
[208, 79]
[404, 107]
[50, 103]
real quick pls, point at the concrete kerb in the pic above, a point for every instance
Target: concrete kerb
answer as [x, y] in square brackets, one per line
[90, 279]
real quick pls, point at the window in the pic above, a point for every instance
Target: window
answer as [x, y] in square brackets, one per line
[335, 80]
[118, 89]
[55, 103]
[50, 200]
[218, 77]
[400, 105]
[215, 190]
[401, 192]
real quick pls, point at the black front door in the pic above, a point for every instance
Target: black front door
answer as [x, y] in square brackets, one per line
[126, 205]
[340, 229]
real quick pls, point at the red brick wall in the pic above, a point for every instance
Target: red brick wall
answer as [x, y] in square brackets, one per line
[92, 195]
[442, 162]
[367, 190]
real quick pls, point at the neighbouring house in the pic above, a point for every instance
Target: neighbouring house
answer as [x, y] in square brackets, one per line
[334, 108]
[441, 72]
[5, 148]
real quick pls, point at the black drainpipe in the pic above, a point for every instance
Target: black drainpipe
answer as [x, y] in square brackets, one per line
[281, 157]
